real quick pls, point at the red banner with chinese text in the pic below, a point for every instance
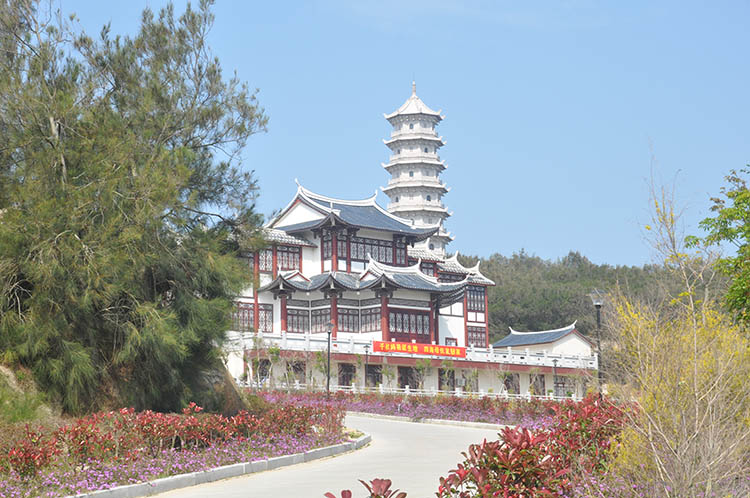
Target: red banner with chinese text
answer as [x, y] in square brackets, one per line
[415, 348]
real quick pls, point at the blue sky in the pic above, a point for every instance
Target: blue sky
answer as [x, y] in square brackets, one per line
[557, 113]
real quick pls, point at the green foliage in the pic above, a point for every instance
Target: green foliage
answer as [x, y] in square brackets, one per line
[18, 406]
[536, 294]
[122, 206]
[731, 223]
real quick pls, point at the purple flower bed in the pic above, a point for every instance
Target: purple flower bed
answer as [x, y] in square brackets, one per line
[533, 414]
[61, 481]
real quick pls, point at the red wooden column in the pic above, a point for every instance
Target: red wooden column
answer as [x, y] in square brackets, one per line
[283, 313]
[275, 263]
[256, 284]
[466, 317]
[334, 314]
[322, 252]
[433, 329]
[334, 251]
[384, 330]
[486, 318]
[348, 253]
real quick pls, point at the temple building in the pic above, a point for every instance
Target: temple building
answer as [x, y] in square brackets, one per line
[377, 285]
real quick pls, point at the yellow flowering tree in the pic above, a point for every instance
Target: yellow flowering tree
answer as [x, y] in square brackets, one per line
[686, 364]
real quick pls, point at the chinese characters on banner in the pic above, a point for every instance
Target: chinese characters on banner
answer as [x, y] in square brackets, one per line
[425, 349]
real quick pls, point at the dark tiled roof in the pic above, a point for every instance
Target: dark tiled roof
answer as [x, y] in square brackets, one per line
[424, 254]
[530, 338]
[299, 227]
[415, 282]
[372, 217]
[281, 237]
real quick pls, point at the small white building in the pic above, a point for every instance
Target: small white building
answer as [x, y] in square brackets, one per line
[399, 311]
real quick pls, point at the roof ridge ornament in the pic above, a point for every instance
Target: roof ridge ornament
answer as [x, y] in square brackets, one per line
[413, 87]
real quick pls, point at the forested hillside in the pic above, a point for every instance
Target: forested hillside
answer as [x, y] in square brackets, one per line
[537, 294]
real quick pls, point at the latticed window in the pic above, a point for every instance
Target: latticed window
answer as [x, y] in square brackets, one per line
[249, 261]
[288, 257]
[298, 320]
[475, 298]
[265, 317]
[380, 250]
[243, 317]
[348, 320]
[265, 260]
[477, 336]
[428, 269]
[401, 252]
[319, 320]
[327, 246]
[341, 244]
[370, 319]
[409, 322]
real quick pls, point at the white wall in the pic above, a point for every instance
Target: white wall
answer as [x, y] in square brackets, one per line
[300, 213]
[452, 326]
[568, 345]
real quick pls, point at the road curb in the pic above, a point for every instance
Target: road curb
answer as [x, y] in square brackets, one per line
[436, 421]
[235, 470]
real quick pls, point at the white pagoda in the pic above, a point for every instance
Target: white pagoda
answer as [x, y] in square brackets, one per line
[415, 189]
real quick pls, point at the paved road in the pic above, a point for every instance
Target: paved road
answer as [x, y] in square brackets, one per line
[413, 456]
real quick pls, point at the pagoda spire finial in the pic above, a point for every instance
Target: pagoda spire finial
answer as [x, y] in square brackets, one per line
[413, 87]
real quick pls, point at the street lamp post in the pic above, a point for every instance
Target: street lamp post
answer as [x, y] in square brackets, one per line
[597, 298]
[328, 368]
[367, 351]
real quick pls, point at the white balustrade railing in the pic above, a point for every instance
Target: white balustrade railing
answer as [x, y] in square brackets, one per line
[381, 389]
[319, 342]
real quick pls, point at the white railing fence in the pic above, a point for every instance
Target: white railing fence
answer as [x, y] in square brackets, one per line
[408, 391]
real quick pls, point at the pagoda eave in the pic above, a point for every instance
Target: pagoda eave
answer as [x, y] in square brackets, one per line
[419, 209]
[412, 185]
[414, 138]
[415, 161]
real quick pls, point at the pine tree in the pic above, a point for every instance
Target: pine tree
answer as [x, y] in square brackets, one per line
[122, 204]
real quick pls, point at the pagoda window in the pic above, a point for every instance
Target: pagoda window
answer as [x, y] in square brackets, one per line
[243, 317]
[398, 151]
[265, 260]
[475, 298]
[411, 126]
[411, 173]
[396, 198]
[288, 257]
[298, 321]
[327, 246]
[432, 247]
[429, 198]
[348, 320]
[265, 318]
[477, 336]
[319, 320]
[425, 150]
